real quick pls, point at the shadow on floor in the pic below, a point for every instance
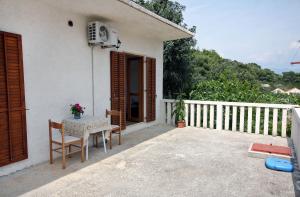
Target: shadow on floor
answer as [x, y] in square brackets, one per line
[23, 180]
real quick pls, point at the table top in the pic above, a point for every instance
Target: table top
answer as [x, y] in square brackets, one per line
[85, 126]
[85, 119]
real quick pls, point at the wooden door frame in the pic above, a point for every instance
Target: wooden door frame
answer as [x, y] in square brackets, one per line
[129, 57]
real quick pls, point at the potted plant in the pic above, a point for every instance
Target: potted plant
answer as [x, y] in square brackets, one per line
[77, 110]
[179, 112]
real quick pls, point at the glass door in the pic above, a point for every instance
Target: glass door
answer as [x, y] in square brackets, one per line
[135, 89]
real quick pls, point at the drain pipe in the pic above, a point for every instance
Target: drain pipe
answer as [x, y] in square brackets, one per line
[93, 82]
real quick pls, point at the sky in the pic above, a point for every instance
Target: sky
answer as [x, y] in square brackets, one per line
[265, 32]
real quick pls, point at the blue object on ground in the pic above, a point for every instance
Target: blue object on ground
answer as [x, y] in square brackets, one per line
[278, 164]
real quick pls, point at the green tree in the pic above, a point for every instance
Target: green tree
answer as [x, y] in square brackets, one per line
[177, 53]
[291, 79]
[210, 65]
[187, 69]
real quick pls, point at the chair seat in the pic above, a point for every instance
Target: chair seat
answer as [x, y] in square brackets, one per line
[115, 127]
[67, 139]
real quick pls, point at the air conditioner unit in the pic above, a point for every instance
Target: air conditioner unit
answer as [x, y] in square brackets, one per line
[101, 34]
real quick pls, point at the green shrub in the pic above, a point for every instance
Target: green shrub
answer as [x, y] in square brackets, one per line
[234, 90]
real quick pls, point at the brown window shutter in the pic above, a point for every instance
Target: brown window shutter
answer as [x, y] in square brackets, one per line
[4, 129]
[13, 137]
[118, 81]
[151, 89]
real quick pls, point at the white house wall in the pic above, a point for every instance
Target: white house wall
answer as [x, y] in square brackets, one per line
[57, 68]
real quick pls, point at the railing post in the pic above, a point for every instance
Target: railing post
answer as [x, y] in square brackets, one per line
[257, 120]
[242, 118]
[205, 116]
[211, 116]
[163, 112]
[266, 121]
[186, 117]
[284, 123]
[192, 120]
[249, 122]
[219, 116]
[275, 119]
[173, 122]
[169, 113]
[227, 112]
[198, 116]
[234, 118]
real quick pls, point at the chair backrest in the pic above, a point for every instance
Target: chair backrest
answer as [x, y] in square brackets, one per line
[57, 126]
[114, 113]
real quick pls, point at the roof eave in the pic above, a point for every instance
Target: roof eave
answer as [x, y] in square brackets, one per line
[157, 17]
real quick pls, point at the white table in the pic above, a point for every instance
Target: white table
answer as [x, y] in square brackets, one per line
[84, 127]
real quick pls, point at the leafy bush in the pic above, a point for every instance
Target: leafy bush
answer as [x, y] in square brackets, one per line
[234, 90]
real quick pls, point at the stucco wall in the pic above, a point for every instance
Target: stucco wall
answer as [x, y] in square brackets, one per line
[57, 68]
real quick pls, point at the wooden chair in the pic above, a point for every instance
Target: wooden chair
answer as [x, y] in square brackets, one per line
[115, 129]
[64, 143]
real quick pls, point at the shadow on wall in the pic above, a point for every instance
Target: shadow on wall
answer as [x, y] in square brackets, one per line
[42, 174]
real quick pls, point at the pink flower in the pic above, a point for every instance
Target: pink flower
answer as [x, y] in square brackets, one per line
[76, 108]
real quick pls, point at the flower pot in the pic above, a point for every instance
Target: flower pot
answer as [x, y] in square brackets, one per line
[77, 116]
[181, 124]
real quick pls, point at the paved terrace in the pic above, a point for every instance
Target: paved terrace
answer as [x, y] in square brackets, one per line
[160, 161]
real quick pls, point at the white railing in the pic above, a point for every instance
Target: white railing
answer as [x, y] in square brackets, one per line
[234, 116]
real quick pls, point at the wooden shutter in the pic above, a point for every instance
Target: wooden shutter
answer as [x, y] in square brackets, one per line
[118, 79]
[13, 137]
[151, 89]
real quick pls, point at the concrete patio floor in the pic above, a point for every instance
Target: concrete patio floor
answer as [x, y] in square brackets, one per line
[160, 161]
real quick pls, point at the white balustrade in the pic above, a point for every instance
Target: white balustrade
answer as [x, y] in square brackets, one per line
[202, 114]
